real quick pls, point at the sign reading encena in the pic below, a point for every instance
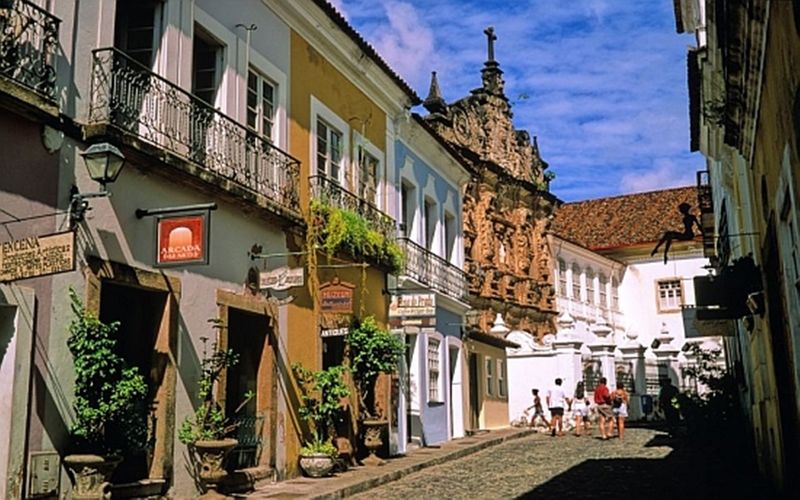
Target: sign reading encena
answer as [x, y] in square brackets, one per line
[37, 256]
[182, 240]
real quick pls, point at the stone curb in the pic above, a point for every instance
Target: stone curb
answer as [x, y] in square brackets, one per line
[388, 477]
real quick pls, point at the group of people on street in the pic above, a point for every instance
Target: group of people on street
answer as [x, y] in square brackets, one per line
[612, 408]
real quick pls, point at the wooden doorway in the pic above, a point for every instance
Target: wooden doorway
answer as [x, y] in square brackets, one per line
[248, 332]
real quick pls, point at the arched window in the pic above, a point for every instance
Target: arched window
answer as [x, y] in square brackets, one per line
[614, 294]
[590, 286]
[562, 278]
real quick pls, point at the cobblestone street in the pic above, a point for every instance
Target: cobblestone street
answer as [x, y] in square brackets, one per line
[646, 465]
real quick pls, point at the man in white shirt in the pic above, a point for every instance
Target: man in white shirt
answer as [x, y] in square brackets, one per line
[556, 401]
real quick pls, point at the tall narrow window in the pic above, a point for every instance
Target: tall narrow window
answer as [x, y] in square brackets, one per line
[367, 176]
[590, 286]
[489, 376]
[329, 151]
[430, 224]
[615, 294]
[206, 62]
[669, 295]
[449, 237]
[434, 364]
[603, 285]
[501, 378]
[562, 278]
[576, 282]
[260, 105]
[407, 206]
[135, 30]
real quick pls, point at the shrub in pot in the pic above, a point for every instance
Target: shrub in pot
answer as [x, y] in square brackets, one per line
[207, 431]
[110, 404]
[373, 350]
[321, 396]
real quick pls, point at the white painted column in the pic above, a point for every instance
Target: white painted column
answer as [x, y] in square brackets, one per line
[667, 355]
[603, 351]
[568, 353]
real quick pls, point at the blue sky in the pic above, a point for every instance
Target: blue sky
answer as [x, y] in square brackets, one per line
[602, 83]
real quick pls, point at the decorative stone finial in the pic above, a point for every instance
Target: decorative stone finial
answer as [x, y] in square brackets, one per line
[434, 103]
[491, 74]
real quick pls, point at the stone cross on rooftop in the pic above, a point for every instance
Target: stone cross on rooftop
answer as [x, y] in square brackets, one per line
[491, 37]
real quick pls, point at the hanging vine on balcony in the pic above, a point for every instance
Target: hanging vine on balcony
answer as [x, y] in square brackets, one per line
[341, 230]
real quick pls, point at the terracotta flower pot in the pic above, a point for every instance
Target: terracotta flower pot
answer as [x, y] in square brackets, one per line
[90, 475]
[212, 455]
[316, 465]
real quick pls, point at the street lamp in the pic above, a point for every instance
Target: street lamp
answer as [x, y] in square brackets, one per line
[104, 163]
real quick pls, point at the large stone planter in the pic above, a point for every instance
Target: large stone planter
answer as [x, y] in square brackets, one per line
[373, 440]
[90, 475]
[212, 455]
[316, 465]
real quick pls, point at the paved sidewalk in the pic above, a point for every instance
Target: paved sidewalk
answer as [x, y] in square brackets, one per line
[360, 479]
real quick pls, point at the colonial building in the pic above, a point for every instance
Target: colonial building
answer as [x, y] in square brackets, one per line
[237, 126]
[744, 93]
[506, 209]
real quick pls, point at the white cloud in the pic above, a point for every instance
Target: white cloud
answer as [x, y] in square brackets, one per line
[605, 80]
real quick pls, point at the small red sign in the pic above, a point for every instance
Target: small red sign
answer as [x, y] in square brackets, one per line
[182, 240]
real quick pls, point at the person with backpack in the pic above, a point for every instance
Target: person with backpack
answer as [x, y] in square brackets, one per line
[580, 407]
[602, 398]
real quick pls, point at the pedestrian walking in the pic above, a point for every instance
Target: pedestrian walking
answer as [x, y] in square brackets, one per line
[556, 401]
[602, 398]
[620, 401]
[667, 402]
[580, 408]
[538, 412]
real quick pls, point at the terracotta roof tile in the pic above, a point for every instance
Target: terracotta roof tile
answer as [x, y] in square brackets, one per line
[622, 221]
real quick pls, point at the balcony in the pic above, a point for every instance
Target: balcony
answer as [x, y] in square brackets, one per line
[588, 312]
[706, 203]
[28, 41]
[433, 271]
[130, 99]
[352, 224]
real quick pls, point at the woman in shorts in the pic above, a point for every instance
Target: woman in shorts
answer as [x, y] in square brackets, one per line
[619, 405]
[580, 407]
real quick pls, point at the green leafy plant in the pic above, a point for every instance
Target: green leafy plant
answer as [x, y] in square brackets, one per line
[322, 393]
[319, 448]
[712, 408]
[209, 422]
[110, 397]
[342, 230]
[373, 350]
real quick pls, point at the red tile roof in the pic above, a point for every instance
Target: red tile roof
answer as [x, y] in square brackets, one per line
[623, 221]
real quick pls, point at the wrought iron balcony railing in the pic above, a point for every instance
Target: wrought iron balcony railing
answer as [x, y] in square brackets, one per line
[706, 203]
[332, 193]
[433, 271]
[28, 41]
[133, 99]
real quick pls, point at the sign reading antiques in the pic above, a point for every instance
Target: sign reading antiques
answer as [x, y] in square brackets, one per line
[334, 332]
[413, 305]
[37, 256]
[336, 297]
[182, 239]
[281, 278]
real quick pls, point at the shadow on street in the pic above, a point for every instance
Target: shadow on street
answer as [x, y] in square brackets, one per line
[691, 470]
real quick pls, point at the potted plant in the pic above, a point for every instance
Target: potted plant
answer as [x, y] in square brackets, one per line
[322, 394]
[206, 432]
[373, 350]
[110, 404]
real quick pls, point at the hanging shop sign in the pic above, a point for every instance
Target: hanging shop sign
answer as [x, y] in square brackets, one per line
[336, 297]
[334, 332]
[37, 256]
[281, 278]
[182, 239]
[413, 305]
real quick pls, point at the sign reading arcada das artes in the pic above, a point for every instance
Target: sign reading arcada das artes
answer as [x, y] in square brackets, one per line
[37, 256]
[182, 239]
